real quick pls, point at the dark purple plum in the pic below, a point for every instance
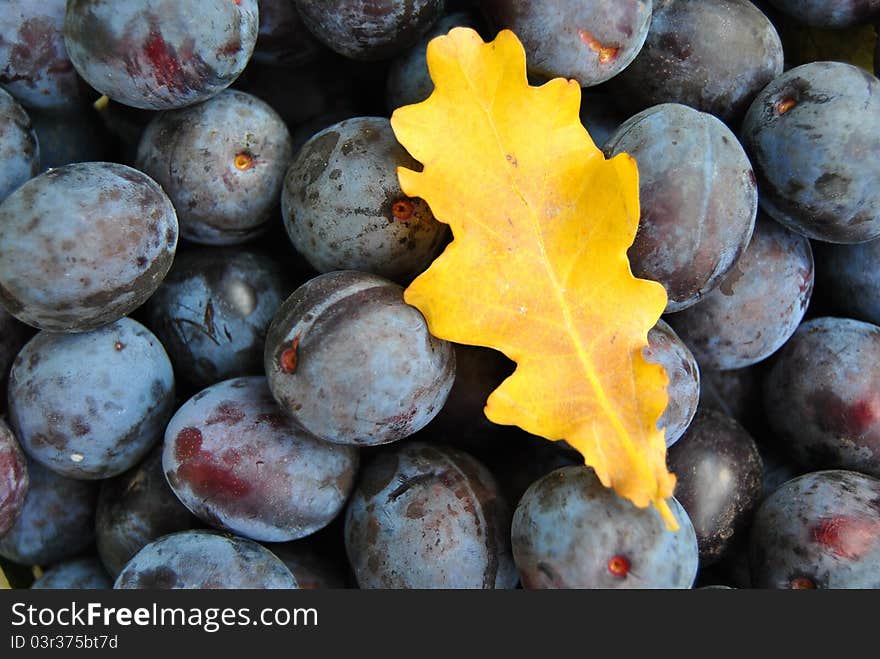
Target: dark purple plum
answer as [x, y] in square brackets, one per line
[849, 276]
[713, 55]
[372, 30]
[222, 164]
[85, 573]
[57, 521]
[819, 530]
[353, 363]
[408, 78]
[19, 148]
[34, 66]
[822, 395]
[757, 306]
[134, 509]
[461, 421]
[71, 137]
[570, 531]
[719, 480]
[668, 350]
[204, 560]
[154, 55]
[91, 405]
[83, 245]
[428, 516]
[213, 309]
[590, 41]
[313, 570]
[812, 135]
[283, 38]
[239, 463]
[343, 207]
[698, 199]
[830, 13]
[13, 479]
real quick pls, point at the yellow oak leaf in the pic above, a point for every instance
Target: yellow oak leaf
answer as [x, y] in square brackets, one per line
[537, 268]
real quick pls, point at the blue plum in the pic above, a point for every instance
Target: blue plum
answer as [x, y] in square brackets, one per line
[570, 531]
[667, 349]
[156, 55]
[369, 30]
[343, 207]
[238, 462]
[221, 162]
[353, 363]
[757, 306]
[83, 245]
[34, 66]
[819, 530]
[698, 198]
[57, 521]
[91, 405]
[713, 55]
[822, 395]
[19, 147]
[590, 41]
[213, 309]
[204, 560]
[428, 516]
[812, 135]
[134, 509]
[13, 478]
[85, 573]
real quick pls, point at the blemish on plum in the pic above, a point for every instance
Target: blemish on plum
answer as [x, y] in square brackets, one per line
[785, 105]
[243, 161]
[619, 566]
[802, 583]
[227, 413]
[289, 356]
[607, 54]
[845, 536]
[187, 444]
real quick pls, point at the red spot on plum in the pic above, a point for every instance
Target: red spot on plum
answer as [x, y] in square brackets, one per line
[606, 54]
[289, 357]
[188, 444]
[403, 210]
[839, 416]
[210, 481]
[227, 413]
[163, 59]
[846, 536]
[619, 566]
[803, 583]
